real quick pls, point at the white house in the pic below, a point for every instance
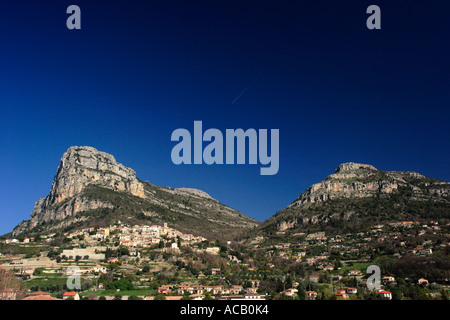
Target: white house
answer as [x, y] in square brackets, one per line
[385, 294]
[73, 295]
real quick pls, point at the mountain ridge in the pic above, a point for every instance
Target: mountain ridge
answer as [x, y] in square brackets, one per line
[354, 188]
[90, 181]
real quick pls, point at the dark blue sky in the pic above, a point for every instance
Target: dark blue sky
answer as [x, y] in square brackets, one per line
[137, 70]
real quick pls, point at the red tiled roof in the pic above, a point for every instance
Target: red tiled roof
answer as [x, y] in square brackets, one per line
[174, 297]
[40, 297]
[40, 293]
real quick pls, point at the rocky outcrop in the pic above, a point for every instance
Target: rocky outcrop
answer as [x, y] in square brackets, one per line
[349, 180]
[343, 195]
[88, 180]
[79, 168]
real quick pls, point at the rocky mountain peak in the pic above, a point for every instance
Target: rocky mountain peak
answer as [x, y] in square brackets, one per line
[350, 179]
[91, 188]
[83, 166]
[352, 166]
[357, 190]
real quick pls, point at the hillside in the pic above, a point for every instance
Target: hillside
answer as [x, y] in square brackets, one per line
[356, 196]
[91, 189]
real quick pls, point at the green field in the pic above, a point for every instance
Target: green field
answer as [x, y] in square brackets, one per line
[357, 266]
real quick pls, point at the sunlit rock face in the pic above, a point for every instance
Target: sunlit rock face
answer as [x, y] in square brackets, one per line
[345, 193]
[90, 187]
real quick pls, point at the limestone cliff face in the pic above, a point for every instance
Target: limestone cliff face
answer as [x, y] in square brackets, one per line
[81, 167]
[88, 180]
[345, 193]
[349, 180]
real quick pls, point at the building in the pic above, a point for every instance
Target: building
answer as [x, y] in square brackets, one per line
[99, 269]
[311, 295]
[253, 296]
[235, 289]
[251, 290]
[217, 290]
[213, 250]
[40, 293]
[355, 273]
[40, 297]
[166, 289]
[27, 272]
[291, 292]
[388, 279]
[350, 290]
[255, 283]
[71, 295]
[385, 294]
[8, 294]
[342, 294]
[173, 297]
[90, 253]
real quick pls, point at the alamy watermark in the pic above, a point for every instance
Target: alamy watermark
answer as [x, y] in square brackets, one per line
[374, 281]
[74, 279]
[235, 140]
[74, 20]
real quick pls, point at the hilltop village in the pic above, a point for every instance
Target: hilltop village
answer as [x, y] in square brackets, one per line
[157, 262]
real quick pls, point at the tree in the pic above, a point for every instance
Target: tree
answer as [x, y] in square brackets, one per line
[301, 291]
[108, 253]
[37, 271]
[444, 293]
[397, 293]
[208, 296]
[160, 297]
[268, 286]
[117, 296]
[122, 284]
[123, 251]
[9, 282]
[327, 294]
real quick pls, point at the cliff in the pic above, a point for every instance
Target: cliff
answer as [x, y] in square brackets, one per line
[357, 194]
[91, 188]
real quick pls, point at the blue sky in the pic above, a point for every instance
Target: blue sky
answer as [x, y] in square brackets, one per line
[337, 91]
